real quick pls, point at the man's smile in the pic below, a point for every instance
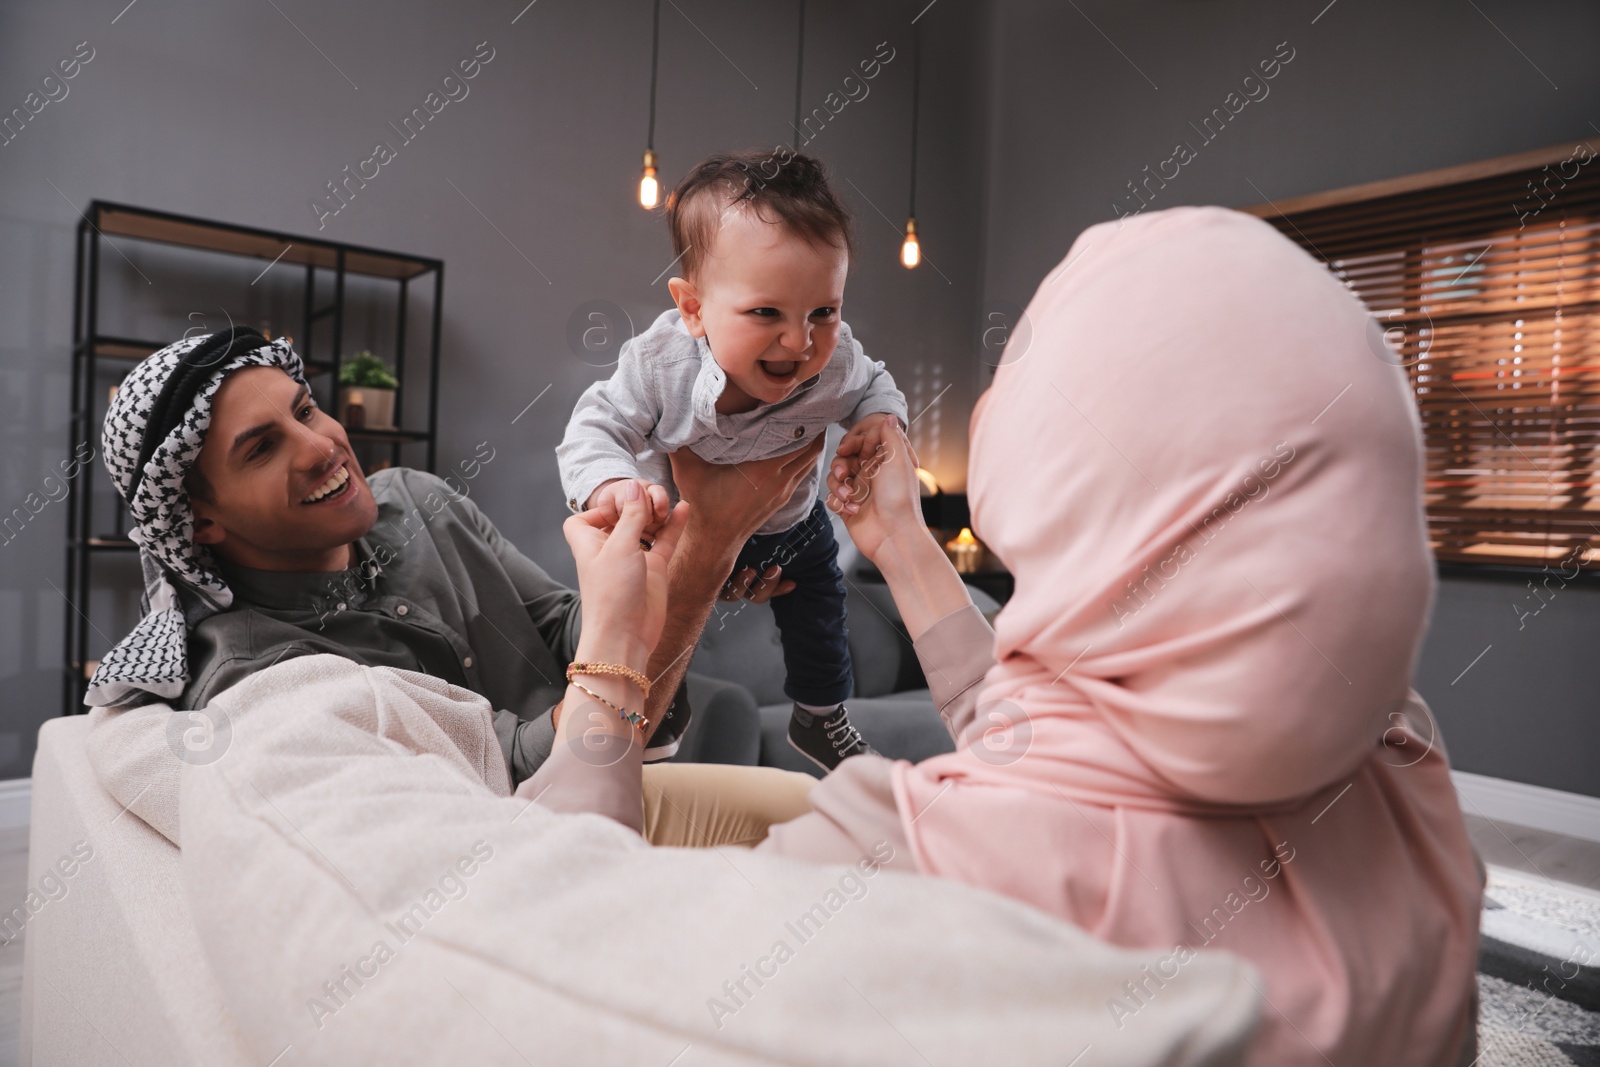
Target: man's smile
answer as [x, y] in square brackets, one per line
[334, 487]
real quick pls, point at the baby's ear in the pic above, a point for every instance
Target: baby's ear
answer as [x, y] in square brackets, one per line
[687, 297]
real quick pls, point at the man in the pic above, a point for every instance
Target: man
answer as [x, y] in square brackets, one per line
[262, 539]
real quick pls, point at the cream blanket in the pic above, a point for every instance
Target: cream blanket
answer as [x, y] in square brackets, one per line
[367, 892]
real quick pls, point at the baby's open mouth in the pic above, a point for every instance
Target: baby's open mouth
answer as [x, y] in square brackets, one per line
[336, 486]
[780, 369]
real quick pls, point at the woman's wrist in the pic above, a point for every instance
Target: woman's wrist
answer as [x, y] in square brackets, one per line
[624, 649]
[921, 578]
[909, 550]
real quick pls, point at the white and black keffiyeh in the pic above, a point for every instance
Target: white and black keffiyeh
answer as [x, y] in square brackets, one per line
[152, 435]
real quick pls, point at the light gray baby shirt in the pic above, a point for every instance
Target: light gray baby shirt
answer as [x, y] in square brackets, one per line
[662, 397]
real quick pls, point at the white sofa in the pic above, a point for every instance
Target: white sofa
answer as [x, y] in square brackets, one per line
[113, 969]
[345, 785]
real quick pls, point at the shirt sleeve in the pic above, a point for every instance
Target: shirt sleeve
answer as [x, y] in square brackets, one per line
[609, 427]
[854, 813]
[525, 742]
[880, 393]
[956, 653]
[554, 609]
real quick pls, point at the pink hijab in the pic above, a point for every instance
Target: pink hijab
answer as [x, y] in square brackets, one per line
[1207, 484]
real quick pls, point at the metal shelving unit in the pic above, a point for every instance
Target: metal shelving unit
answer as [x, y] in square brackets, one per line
[93, 353]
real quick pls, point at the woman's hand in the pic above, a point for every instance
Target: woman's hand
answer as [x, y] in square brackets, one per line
[623, 586]
[880, 500]
[872, 485]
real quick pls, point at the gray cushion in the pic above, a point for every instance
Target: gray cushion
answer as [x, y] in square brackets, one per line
[741, 644]
[903, 726]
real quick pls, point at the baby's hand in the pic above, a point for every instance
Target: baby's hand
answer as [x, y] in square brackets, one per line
[608, 498]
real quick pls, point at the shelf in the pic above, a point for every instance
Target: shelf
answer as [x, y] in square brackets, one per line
[309, 264]
[117, 220]
[126, 348]
[134, 350]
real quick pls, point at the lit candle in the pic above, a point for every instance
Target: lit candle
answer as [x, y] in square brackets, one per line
[965, 552]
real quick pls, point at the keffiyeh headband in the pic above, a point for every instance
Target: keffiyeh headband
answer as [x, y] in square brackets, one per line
[152, 436]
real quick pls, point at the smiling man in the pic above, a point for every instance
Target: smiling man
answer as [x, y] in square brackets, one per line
[262, 539]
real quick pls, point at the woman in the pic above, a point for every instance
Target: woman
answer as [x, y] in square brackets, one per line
[1192, 726]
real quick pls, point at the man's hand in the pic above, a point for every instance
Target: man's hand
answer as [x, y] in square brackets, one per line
[758, 589]
[608, 498]
[732, 501]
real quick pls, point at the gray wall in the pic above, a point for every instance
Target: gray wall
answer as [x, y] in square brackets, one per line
[1034, 118]
[226, 111]
[1375, 90]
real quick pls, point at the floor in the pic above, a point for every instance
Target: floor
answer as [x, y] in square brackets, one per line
[1534, 852]
[1545, 855]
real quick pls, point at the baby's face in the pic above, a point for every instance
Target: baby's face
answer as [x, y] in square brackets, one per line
[768, 305]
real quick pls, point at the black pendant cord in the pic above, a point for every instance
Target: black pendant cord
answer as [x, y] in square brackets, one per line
[799, 68]
[916, 93]
[655, 54]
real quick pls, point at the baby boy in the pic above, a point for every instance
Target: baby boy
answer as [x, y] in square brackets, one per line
[754, 362]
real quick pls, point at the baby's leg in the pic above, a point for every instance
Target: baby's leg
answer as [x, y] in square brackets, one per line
[811, 618]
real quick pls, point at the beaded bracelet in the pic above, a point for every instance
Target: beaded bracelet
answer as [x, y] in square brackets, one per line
[639, 721]
[615, 669]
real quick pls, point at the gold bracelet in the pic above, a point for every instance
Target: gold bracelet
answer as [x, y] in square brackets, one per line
[633, 717]
[616, 669]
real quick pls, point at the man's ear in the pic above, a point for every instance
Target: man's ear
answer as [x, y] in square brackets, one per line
[687, 297]
[207, 530]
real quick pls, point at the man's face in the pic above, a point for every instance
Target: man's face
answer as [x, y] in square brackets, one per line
[768, 302]
[288, 492]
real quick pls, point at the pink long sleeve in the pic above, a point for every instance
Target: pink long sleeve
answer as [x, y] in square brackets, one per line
[854, 811]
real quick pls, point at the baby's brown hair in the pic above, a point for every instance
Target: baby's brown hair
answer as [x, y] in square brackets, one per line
[781, 187]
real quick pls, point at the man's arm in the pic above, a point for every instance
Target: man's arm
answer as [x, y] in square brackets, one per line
[727, 504]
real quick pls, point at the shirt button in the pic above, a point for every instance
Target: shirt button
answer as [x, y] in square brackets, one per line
[342, 605]
[799, 432]
[467, 662]
[401, 610]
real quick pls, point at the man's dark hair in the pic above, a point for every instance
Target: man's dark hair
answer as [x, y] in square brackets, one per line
[780, 186]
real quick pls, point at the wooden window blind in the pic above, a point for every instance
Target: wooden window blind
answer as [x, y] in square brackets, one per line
[1486, 279]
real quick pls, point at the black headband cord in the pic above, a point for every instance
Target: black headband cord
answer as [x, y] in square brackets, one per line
[178, 391]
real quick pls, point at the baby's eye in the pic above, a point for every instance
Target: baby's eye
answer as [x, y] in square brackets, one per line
[765, 313]
[824, 313]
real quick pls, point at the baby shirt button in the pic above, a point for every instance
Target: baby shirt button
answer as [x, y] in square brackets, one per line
[799, 432]
[401, 610]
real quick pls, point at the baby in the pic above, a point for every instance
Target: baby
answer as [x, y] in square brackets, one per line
[754, 362]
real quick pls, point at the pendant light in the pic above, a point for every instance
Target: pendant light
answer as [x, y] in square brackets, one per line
[649, 187]
[910, 249]
[799, 71]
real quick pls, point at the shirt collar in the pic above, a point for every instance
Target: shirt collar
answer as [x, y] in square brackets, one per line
[302, 591]
[712, 379]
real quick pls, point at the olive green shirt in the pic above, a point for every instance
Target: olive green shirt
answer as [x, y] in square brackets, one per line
[433, 588]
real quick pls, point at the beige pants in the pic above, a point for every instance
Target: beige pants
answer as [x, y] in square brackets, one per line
[700, 805]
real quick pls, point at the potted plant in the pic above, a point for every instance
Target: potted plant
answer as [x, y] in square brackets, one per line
[366, 392]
